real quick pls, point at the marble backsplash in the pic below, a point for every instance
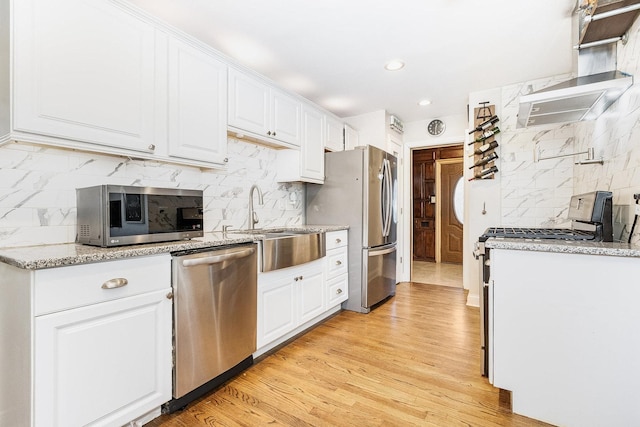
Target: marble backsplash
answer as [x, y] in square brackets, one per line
[38, 197]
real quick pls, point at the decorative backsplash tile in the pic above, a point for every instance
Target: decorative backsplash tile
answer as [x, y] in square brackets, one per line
[38, 197]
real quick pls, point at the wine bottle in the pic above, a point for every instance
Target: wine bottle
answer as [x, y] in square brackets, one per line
[485, 173]
[487, 134]
[484, 125]
[486, 147]
[485, 160]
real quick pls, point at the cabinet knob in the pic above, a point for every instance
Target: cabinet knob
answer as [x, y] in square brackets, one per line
[269, 133]
[115, 283]
[298, 278]
[152, 147]
[170, 295]
[338, 262]
[338, 241]
[274, 133]
[339, 291]
[226, 160]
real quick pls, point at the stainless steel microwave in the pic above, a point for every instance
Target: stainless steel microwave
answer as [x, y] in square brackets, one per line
[116, 215]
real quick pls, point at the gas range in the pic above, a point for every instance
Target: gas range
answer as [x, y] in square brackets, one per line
[591, 216]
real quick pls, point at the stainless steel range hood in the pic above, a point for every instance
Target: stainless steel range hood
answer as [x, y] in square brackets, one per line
[581, 98]
[601, 25]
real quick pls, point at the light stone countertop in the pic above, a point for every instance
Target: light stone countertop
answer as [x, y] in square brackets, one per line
[565, 246]
[49, 256]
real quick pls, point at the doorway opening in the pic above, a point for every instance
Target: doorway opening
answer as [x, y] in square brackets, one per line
[437, 175]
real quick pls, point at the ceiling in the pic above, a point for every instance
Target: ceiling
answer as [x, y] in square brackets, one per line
[333, 52]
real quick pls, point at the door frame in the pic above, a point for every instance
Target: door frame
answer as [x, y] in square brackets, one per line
[407, 244]
[439, 164]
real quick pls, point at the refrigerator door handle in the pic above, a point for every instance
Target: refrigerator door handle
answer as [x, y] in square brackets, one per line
[387, 197]
[382, 251]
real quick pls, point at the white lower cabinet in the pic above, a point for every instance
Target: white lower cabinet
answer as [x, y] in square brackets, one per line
[337, 266]
[94, 342]
[288, 298]
[104, 364]
[292, 299]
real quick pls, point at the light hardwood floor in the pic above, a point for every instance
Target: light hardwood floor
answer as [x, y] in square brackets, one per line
[437, 273]
[414, 360]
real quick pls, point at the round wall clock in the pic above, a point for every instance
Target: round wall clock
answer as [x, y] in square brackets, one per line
[436, 127]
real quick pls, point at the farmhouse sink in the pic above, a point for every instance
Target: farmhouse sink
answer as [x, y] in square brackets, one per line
[282, 249]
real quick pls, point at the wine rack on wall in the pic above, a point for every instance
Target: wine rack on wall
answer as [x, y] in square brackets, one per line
[484, 142]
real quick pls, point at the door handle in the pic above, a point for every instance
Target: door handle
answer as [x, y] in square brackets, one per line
[115, 283]
[216, 259]
[382, 251]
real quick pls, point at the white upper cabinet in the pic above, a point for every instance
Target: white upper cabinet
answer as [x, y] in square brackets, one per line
[334, 140]
[263, 111]
[312, 150]
[96, 75]
[84, 70]
[306, 164]
[351, 138]
[197, 104]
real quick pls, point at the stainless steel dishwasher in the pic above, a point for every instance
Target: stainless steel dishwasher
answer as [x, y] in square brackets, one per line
[215, 312]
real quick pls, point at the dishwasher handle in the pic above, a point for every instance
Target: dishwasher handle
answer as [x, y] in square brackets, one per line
[216, 259]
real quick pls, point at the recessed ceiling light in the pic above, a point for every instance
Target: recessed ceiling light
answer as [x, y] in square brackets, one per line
[394, 65]
[424, 102]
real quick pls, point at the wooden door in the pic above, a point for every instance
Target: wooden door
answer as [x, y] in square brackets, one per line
[451, 230]
[424, 200]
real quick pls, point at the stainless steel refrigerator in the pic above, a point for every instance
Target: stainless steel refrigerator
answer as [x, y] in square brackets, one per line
[360, 190]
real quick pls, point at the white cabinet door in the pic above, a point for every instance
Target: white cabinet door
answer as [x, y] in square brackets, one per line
[103, 364]
[255, 107]
[351, 138]
[249, 104]
[285, 117]
[334, 140]
[276, 307]
[197, 104]
[311, 289]
[312, 148]
[84, 71]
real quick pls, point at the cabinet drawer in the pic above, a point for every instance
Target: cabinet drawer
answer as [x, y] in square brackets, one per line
[62, 288]
[338, 290]
[337, 239]
[336, 262]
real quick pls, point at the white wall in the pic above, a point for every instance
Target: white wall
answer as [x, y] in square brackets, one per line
[38, 200]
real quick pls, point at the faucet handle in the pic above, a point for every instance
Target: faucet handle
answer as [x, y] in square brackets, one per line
[255, 218]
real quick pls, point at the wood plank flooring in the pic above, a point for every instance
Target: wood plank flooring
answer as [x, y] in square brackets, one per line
[413, 361]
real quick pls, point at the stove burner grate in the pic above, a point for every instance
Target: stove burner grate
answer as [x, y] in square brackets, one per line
[538, 233]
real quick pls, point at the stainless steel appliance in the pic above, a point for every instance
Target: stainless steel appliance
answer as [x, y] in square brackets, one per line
[360, 190]
[591, 216]
[115, 215]
[215, 317]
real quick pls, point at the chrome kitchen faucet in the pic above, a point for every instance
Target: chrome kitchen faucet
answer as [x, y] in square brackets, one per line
[253, 216]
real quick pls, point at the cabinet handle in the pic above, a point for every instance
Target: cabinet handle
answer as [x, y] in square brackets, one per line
[115, 283]
[338, 241]
[170, 295]
[338, 262]
[339, 291]
[152, 147]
